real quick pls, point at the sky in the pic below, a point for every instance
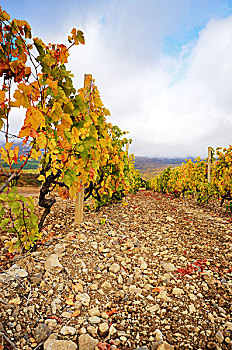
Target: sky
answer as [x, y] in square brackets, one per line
[163, 68]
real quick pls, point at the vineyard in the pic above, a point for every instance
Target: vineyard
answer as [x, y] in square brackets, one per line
[190, 179]
[147, 264]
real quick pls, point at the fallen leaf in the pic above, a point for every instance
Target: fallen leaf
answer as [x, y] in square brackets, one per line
[158, 289]
[75, 313]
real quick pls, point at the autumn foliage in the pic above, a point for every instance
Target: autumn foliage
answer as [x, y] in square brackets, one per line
[67, 130]
[191, 179]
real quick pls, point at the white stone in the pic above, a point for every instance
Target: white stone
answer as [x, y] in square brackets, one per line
[94, 312]
[114, 268]
[67, 330]
[103, 329]
[86, 342]
[84, 298]
[52, 264]
[177, 291]
[94, 319]
[53, 344]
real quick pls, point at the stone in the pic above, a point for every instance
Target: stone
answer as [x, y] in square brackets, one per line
[177, 291]
[141, 348]
[106, 285]
[219, 336]
[143, 265]
[52, 264]
[36, 278]
[103, 329]
[163, 296]
[165, 346]
[67, 330]
[112, 330]
[94, 312]
[84, 298]
[168, 266]
[153, 308]
[158, 335]
[86, 342]
[114, 268]
[94, 319]
[52, 344]
[211, 317]
[42, 332]
[192, 308]
[51, 323]
[92, 330]
[94, 286]
[59, 248]
[228, 326]
[135, 290]
[14, 272]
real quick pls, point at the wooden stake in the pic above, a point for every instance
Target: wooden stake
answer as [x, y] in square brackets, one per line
[127, 148]
[78, 217]
[209, 164]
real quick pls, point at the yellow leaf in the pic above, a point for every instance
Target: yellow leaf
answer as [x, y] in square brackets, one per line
[53, 85]
[56, 111]
[66, 121]
[2, 96]
[8, 145]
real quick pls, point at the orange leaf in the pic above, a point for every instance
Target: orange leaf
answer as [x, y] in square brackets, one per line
[75, 313]
[53, 85]
[158, 289]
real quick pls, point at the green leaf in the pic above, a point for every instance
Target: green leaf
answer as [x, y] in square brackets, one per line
[16, 207]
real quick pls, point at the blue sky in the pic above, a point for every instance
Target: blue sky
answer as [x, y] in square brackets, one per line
[164, 68]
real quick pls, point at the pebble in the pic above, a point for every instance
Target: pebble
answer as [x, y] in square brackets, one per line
[168, 266]
[115, 268]
[103, 329]
[94, 319]
[94, 312]
[219, 336]
[177, 291]
[86, 342]
[42, 331]
[84, 298]
[52, 264]
[53, 344]
[67, 330]
[13, 273]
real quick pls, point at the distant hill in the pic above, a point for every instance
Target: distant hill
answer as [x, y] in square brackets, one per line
[150, 167]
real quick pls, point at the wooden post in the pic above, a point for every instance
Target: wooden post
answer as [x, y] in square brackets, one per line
[209, 163]
[127, 148]
[78, 217]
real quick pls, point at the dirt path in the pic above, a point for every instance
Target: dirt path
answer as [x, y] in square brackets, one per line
[152, 263]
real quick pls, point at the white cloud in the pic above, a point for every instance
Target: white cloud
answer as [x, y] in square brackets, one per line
[183, 104]
[172, 106]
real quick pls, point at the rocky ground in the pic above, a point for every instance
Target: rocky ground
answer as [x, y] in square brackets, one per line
[153, 272]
